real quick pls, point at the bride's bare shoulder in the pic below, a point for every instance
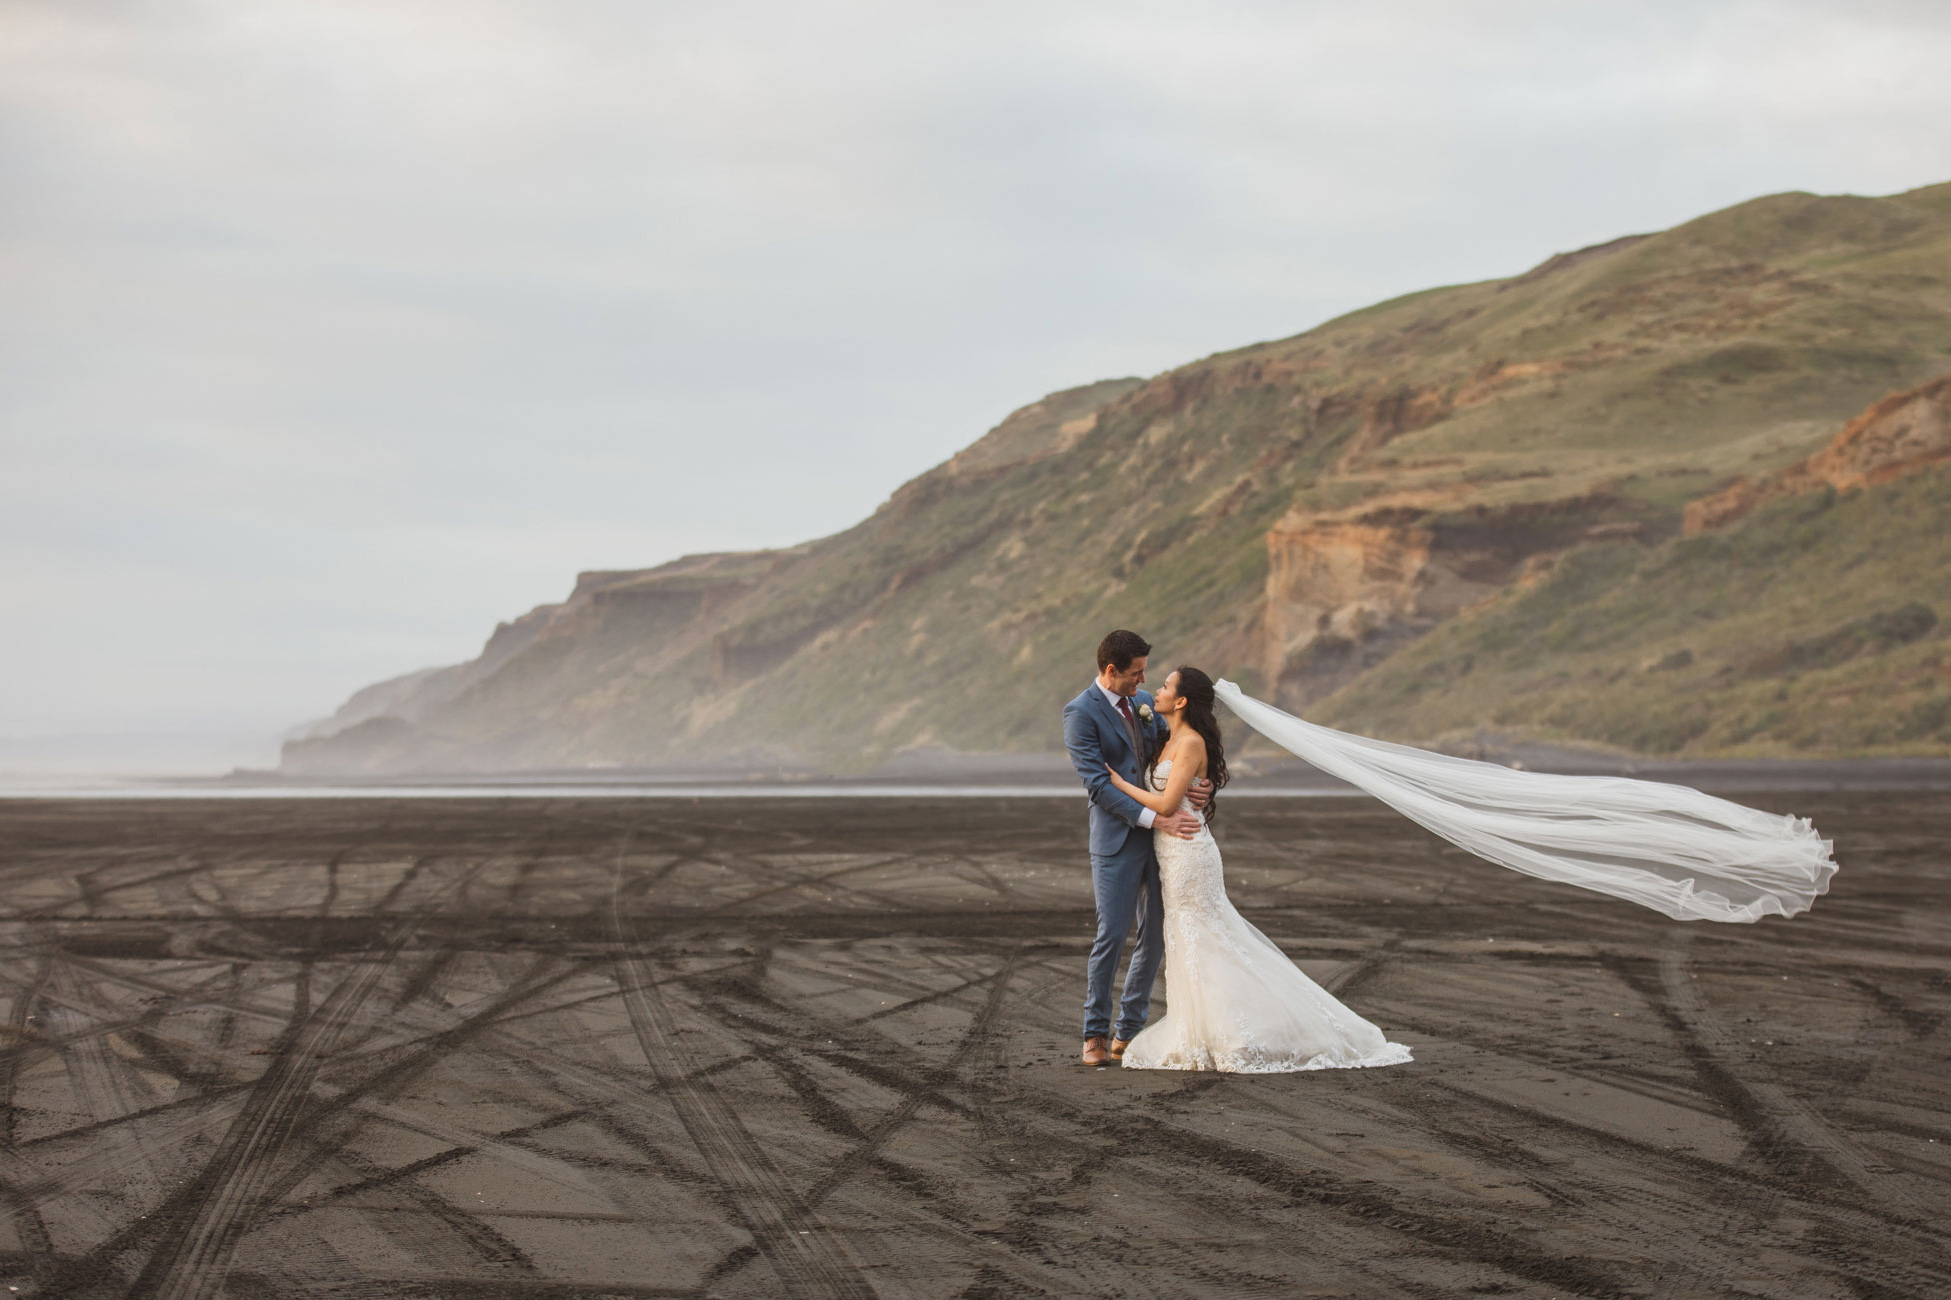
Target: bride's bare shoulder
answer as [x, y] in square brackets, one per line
[1189, 748]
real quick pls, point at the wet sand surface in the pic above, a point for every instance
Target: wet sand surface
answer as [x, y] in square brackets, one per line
[757, 1048]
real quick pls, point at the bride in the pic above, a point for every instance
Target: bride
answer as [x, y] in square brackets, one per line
[1236, 1003]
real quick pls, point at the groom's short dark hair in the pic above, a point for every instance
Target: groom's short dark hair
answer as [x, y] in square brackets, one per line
[1119, 649]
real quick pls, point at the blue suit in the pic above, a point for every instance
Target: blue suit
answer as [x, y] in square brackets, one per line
[1124, 870]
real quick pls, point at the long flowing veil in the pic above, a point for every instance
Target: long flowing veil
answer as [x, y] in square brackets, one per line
[1671, 848]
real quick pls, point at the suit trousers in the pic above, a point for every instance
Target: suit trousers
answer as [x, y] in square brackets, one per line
[1127, 889]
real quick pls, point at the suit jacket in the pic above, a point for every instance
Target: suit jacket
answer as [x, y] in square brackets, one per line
[1094, 735]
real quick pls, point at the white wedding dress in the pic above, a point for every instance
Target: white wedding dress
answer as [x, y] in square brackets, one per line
[1234, 1001]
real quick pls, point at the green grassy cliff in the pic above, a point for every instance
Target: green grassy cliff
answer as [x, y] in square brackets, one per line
[1459, 510]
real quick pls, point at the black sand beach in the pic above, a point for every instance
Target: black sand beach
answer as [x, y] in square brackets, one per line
[757, 1048]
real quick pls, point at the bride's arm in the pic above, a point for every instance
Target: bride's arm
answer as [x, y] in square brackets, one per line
[1191, 757]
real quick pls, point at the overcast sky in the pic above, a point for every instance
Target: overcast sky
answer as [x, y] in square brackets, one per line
[334, 332]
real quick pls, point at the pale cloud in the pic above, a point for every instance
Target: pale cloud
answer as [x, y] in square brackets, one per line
[334, 333]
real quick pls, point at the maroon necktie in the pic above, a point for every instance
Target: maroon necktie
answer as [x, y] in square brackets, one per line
[1131, 727]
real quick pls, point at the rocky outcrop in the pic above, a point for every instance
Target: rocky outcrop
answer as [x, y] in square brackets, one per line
[1387, 415]
[1341, 593]
[1901, 434]
[1347, 590]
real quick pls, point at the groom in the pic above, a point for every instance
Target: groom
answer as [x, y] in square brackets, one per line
[1112, 722]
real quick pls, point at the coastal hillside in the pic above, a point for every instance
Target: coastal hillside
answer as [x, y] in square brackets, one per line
[1676, 494]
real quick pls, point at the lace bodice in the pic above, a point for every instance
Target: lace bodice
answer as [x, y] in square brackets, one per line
[1161, 777]
[1190, 873]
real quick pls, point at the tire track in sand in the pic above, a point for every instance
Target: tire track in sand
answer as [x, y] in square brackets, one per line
[1786, 1130]
[193, 1265]
[20, 1205]
[801, 1249]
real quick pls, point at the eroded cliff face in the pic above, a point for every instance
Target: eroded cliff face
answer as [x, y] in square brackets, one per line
[1341, 593]
[1901, 434]
[1346, 590]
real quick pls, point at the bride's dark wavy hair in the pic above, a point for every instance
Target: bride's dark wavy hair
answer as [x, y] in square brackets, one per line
[1196, 689]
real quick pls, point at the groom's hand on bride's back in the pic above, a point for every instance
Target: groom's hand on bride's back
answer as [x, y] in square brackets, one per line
[1201, 793]
[1183, 824]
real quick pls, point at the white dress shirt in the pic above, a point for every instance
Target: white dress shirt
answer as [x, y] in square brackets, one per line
[1146, 816]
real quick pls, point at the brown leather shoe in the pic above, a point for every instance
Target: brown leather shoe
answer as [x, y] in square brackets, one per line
[1095, 1053]
[1118, 1046]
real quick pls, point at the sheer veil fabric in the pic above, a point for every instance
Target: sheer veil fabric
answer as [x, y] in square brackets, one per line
[1674, 849]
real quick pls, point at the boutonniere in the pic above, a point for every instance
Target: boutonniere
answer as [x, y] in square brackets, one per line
[1145, 712]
